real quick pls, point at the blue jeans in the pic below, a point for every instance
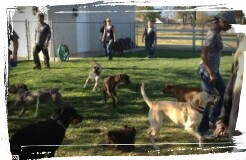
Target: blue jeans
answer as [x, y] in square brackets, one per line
[104, 47]
[220, 86]
[149, 48]
[109, 48]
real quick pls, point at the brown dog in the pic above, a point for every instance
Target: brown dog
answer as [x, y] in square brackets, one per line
[110, 86]
[122, 137]
[182, 94]
[188, 114]
[26, 98]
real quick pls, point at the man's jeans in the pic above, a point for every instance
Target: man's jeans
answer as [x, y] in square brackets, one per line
[220, 86]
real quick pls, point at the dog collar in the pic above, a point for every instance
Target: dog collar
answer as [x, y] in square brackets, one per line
[198, 109]
[59, 122]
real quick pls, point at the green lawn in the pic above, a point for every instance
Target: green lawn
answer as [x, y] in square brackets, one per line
[176, 67]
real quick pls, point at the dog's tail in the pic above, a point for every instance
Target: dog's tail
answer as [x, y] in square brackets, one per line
[147, 100]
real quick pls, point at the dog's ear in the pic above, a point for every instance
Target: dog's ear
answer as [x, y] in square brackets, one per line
[22, 85]
[197, 100]
[122, 76]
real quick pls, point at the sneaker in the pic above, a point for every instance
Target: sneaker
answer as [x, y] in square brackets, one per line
[36, 67]
[208, 135]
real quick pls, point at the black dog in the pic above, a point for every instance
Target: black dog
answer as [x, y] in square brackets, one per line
[122, 136]
[119, 46]
[42, 139]
[26, 98]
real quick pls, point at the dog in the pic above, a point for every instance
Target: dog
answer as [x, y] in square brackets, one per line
[94, 74]
[119, 46]
[110, 86]
[182, 94]
[189, 114]
[26, 98]
[42, 139]
[121, 138]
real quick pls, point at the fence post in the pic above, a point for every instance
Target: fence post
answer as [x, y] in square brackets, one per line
[202, 35]
[52, 41]
[193, 38]
[27, 39]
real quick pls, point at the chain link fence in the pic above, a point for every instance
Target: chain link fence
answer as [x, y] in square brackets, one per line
[82, 38]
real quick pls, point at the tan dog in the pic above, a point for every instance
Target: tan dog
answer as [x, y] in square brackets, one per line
[94, 74]
[188, 114]
[110, 86]
[182, 94]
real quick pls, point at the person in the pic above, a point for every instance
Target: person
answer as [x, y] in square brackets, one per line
[229, 116]
[209, 69]
[12, 36]
[101, 37]
[42, 38]
[109, 37]
[150, 38]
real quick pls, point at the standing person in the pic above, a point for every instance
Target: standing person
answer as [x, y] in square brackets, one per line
[42, 37]
[109, 37]
[12, 36]
[209, 68]
[101, 37]
[150, 38]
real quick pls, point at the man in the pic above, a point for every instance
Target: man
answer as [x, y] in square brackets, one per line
[209, 68]
[12, 36]
[42, 38]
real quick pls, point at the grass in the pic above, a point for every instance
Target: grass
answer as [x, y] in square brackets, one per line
[176, 67]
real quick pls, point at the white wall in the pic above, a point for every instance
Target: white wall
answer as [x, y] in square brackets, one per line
[20, 24]
[83, 31]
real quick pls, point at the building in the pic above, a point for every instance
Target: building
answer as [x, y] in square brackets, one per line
[77, 26]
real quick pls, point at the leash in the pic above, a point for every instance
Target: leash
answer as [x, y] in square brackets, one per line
[37, 106]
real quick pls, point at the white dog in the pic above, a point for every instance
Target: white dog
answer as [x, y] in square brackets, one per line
[188, 114]
[94, 74]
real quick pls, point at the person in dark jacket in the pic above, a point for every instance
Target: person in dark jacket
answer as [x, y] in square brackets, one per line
[149, 36]
[12, 36]
[101, 36]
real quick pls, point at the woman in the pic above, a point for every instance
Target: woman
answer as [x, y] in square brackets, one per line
[150, 39]
[209, 68]
[109, 37]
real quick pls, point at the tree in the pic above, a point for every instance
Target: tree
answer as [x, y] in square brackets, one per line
[239, 17]
[186, 15]
[148, 13]
[201, 17]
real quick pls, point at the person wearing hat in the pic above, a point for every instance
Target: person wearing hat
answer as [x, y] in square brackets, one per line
[209, 69]
[109, 37]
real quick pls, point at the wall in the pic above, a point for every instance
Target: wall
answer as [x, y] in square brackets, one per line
[21, 21]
